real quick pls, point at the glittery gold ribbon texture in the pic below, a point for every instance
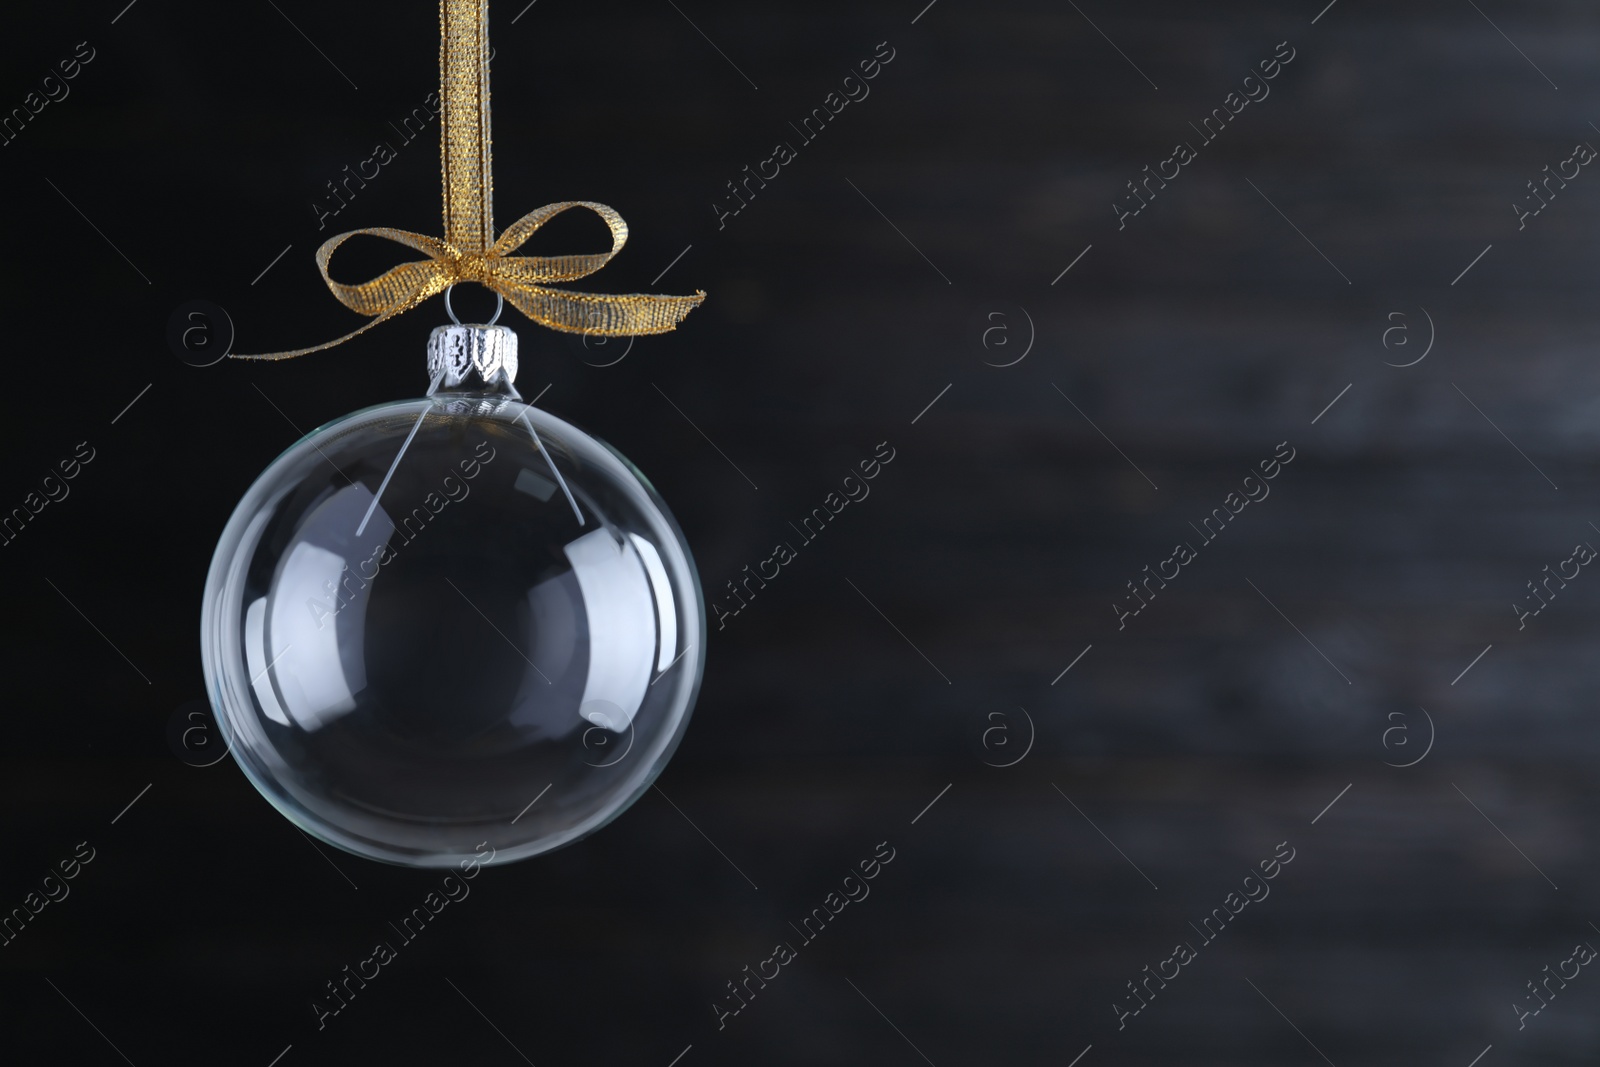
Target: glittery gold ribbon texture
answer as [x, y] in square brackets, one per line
[469, 251]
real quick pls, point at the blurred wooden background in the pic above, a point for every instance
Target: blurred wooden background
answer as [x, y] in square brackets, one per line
[1257, 688]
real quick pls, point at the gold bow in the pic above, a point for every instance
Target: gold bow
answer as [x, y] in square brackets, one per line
[469, 252]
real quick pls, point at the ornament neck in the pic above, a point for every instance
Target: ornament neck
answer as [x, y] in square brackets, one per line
[458, 352]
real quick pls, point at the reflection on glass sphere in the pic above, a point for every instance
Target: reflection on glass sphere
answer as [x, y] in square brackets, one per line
[444, 622]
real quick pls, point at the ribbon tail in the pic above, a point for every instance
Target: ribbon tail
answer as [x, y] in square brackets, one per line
[386, 316]
[396, 292]
[600, 314]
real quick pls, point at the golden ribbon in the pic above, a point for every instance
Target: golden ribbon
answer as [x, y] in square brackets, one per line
[469, 251]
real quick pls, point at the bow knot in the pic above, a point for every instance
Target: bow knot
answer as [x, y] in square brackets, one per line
[520, 279]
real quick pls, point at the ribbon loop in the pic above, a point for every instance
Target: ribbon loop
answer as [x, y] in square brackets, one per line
[536, 269]
[467, 254]
[517, 234]
[399, 288]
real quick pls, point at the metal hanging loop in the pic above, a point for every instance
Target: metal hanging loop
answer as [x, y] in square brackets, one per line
[499, 306]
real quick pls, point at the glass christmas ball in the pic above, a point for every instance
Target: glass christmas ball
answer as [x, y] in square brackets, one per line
[446, 623]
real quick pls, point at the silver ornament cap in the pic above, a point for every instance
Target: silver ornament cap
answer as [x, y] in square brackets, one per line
[455, 351]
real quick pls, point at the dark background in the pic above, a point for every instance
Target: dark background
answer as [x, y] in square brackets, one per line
[1222, 721]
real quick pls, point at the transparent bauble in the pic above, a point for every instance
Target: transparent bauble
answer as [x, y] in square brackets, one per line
[449, 623]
